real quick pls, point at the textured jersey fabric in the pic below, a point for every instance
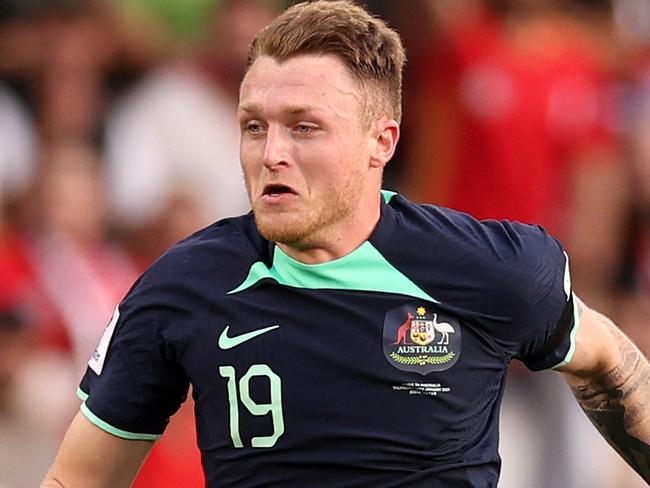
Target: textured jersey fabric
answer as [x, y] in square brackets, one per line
[383, 368]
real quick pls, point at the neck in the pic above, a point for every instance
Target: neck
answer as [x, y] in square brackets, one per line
[341, 238]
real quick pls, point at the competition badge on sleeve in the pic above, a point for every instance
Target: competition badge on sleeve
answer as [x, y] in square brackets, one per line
[98, 357]
[419, 338]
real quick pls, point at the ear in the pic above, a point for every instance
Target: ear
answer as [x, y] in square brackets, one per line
[385, 135]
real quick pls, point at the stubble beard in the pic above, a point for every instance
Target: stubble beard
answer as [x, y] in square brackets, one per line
[313, 226]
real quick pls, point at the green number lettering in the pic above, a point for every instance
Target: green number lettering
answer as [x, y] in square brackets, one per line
[229, 372]
[257, 409]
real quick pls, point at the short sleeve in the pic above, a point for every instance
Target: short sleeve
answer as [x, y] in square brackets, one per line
[531, 296]
[134, 383]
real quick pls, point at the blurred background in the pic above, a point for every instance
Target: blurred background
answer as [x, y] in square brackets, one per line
[118, 137]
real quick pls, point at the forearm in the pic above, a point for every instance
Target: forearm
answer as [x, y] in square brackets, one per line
[618, 403]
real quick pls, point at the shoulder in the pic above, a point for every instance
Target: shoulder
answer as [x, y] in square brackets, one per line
[488, 266]
[211, 261]
[489, 244]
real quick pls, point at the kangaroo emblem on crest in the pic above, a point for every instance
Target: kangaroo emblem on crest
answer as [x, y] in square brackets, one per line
[403, 330]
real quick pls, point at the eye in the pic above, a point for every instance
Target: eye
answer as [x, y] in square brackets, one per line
[304, 129]
[253, 127]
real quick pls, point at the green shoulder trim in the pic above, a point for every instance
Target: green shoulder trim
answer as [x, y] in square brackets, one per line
[113, 430]
[388, 195]
[572, 337]
[364, 269]
[83, 396]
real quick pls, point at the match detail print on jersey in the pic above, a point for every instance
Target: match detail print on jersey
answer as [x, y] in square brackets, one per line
[419, 338]
[226, 342]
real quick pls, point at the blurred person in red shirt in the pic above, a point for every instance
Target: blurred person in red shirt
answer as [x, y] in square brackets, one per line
[18, 148]
[80, 273]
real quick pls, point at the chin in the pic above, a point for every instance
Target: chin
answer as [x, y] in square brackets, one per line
[278, 228]
[303, 227]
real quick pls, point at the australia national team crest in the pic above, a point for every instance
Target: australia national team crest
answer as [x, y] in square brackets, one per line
[418, 337]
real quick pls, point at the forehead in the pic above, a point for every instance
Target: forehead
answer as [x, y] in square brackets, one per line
[307, 82]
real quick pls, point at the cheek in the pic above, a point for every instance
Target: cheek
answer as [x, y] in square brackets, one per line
[249, 159]
[331, 176]
[351, 161]
[321, 166]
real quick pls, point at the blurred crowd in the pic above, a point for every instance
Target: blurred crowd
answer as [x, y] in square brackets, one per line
[118, 137]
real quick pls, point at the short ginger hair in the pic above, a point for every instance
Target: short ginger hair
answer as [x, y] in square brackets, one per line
[372, 51]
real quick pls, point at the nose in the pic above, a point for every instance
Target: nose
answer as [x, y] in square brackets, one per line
[276, 148]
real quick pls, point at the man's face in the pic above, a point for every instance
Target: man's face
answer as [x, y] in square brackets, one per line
[304, 149]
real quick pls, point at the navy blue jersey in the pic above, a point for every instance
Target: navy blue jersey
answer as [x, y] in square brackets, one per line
[383, 368]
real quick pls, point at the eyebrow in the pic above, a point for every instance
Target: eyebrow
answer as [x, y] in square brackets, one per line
[292, 110]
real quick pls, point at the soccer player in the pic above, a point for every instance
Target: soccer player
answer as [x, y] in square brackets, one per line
[340, 335]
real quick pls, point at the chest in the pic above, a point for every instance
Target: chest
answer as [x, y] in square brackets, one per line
[275, 365]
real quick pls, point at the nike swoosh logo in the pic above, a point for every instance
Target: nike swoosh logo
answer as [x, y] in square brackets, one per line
[226, 342]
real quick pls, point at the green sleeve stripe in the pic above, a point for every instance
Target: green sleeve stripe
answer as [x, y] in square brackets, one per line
[83, 396]
[114, 431]
[572, 337]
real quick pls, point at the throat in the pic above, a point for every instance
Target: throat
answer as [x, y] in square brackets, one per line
[330, 243]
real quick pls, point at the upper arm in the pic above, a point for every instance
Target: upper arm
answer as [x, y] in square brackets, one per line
[89, 457]
[598, 345]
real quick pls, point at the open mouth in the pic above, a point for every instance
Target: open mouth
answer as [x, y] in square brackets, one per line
[276, 189]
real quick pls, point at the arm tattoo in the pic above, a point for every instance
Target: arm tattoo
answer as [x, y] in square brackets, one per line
[618, 404]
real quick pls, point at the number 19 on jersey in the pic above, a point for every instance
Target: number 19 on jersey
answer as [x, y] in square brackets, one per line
[274, 407]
